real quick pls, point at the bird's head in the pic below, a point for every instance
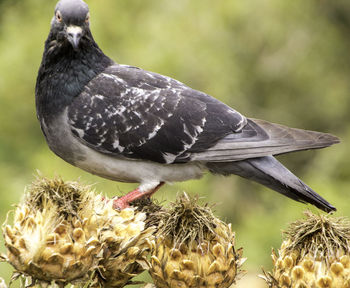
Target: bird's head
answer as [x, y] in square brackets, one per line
[70, 23]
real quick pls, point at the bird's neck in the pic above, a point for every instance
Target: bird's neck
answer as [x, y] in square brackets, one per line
[64, 73]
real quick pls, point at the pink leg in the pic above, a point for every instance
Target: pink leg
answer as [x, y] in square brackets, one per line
[124, 201]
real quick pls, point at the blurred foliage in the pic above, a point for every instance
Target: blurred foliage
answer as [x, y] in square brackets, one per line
[283, 61]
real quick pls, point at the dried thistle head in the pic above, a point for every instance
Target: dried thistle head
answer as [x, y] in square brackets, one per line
[320, 235]
[193, 248]
[187, 221]
[315, 253]
[126, 241]
[69, 197]
[51, 238]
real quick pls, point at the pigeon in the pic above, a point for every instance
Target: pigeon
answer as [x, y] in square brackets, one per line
[127, 124]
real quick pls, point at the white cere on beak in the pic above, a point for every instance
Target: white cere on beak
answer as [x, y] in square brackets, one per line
[74, 35]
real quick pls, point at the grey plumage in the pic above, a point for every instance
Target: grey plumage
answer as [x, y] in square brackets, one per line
[260, 138]
[127, 124]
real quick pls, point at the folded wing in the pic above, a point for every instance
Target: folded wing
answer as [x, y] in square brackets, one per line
[132, 113]
[128, 112]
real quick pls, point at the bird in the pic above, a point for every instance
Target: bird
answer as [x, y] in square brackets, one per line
[127, 124]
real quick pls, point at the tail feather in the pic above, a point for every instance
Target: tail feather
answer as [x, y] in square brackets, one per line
[270, 172]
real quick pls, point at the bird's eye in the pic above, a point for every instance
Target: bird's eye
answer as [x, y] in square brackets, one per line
[58, 16]
[87, 19]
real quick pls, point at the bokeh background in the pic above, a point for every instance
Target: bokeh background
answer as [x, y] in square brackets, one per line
[283, 61]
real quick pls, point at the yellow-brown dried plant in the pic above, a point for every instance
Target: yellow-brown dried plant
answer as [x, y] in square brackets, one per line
[63, 232]
[51, 238]
[314, 254]
[193, 248]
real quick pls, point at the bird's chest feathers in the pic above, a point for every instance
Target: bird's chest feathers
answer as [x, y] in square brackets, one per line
[63, 82]
[62, 77]
[71, 78]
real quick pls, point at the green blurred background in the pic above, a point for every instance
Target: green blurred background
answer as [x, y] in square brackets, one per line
[283, 61]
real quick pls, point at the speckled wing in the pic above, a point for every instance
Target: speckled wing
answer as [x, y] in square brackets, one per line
[128, 112]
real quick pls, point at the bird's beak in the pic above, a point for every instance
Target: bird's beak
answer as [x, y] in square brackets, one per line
[74, 34]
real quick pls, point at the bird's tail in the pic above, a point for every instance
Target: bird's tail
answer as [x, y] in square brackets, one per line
[270, 172]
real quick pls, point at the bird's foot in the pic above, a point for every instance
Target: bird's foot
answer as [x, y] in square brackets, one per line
[141, 192]
[121, 203]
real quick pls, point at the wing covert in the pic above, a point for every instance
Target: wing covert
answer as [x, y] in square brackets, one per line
[129, 112]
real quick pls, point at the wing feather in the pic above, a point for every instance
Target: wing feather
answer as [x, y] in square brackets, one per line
[262, 138]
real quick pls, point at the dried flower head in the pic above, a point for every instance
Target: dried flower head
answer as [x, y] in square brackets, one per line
[193, 248]
[315, 253]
